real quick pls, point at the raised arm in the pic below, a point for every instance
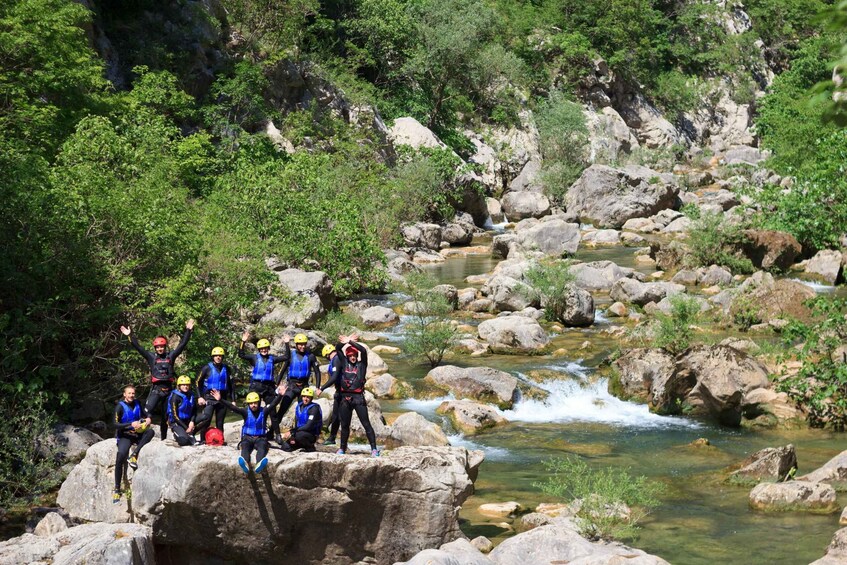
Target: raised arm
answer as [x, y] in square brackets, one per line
[189, 328]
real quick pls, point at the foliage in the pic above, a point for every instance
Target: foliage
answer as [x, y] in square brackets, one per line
[605, 493]
[429, 333]
[714, 241]
[820, 386]
[551, 284]
[271, 25]
[563, 140]
[674, 332]
[745, 313]
[336, 323]
[28, 466]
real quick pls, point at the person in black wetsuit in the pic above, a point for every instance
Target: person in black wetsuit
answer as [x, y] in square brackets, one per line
[182, 413]
[308, 421]
[216, 375]
[161, 364]
[132, 427]
[253, 432]
[333, 371]
[297, 365]
[262, 379]
[354, 367]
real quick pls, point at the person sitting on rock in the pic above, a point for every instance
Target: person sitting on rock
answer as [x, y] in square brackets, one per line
[262, 380]
[132, 427]
[308, 421]
[253, 431]
[182, 405]
[161, 364]
[216, 375]
[332, 372]
[351, 388]
[297, 365]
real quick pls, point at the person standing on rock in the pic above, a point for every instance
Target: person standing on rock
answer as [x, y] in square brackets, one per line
[182, 408]
[132, 427]
[262, 380]
[161, 364]
[333, 371]
[216, 375]
[254, 429]
[297, 365]
[351, 388]
[308, 421]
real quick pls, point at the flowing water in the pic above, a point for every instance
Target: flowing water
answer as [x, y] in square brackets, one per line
[701, 519]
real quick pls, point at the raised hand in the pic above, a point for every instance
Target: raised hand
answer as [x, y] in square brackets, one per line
[245, 336]
[343, 339]
[353, 337]
[126, 330]
[286, 338]
[189, 325]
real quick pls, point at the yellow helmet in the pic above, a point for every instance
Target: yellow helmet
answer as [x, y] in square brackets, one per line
[327, 350]
[308, 391]
[252, 397]
[183, 380]
[218, 351]
[300, 338]
[263, 343]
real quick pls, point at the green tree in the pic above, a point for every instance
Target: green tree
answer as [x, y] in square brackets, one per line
[551, 284]
[429, 333]
[673, 331]
[563, 140]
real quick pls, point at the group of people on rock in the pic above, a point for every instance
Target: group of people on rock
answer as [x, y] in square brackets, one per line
[188, 413]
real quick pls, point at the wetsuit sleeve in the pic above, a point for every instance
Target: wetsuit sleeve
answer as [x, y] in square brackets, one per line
[149, 356]
[363, 357]
[240, 411]
[242, 354]
[332, 373]
[277, 399]
[316, 369]
[201, 377]
[119, 414]
[182, 343]
[286, 361]
[230, 383]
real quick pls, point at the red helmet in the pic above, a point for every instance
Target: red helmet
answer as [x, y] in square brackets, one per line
[214, 437]
[351, 351]
[160, 341]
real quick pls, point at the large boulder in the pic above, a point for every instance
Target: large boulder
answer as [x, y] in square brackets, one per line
[609, 137]
[836, 553]
[413, 429]
[508, 294]
[608, 197]
[552, 236]
[378, 316]
[477, 383]
[457, 233]
[599, 275]
[724, 376]
[514, 334]
[579, 308]
[92, 544]
[200, 505]
[769, 249]
[636, 292]
[520, 205]
[421, 234]
[457, 552]
[794, 496]
[529, 179]
[833, 472]
[470, 417]
[68, 443]
[312, 296]
[647, 374]
[409, 131]
[769, 298]
[826, 264]
[772, 464]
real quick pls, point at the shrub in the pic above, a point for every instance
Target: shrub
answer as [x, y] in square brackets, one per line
[336, 323]
[550, 284]
[563, 140]
[714, 241]
[674, 331]
[429, 334]
[603, 493]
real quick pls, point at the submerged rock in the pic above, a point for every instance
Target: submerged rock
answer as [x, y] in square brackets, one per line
[836, 553]
[200, 505]
[798, 496]
[833, 472]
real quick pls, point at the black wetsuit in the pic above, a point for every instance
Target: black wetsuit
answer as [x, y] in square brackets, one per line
[297, 368]
[308, 421]
[264, 383]
[249, 442]
[179, 423]
[127, 437]
[213, 407]
[333, 372]
[351, 388]
[161, 375]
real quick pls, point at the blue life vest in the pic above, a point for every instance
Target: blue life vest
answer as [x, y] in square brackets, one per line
[254, 425]
[217, 380]
[186, 406]
[263, 370]
[299, 366]
[301, 418]
[130, 414]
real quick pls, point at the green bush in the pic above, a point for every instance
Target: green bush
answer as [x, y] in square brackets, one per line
[673, 331]
[550, 284]
[714, 241]
[429, 333]
[335, 324]
[604, 494]
[563, 141]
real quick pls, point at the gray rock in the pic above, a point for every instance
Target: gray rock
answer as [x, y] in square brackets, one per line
[423, 235]
[425, 256]
[448, 292]
[69, 443]
[464, 297]
[399, 267]
[680, 225]
[92, 544]
[410, 494]
[836, 552]
[52, 523]
[667, 216]
[647, 374]
[798, 496]
[608, 197]
[533, 520]
[602, 237]
[519, 205]
[528, 179]
[617, 310]
[385, 386]
[713, 275]
[636, 292]
[501, 244]
[477, 383]
[457, 234]
[514, 334]
[826, 264]
[687, 277]
[772, 464]
[718, 200]
[470, 417]
[579, 309]
[458, 552]
[643, 225]
[507, 294]
[313, 296]
[495, 210]
[413, 429]
[833, 472]
[599, 275]
[552, 236]
[409, 131]
[378, 316]
[744, 155]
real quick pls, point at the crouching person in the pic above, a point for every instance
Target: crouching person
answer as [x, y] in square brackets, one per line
[132, 425]
[182, 417]
[254, 430]
[308, 421]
